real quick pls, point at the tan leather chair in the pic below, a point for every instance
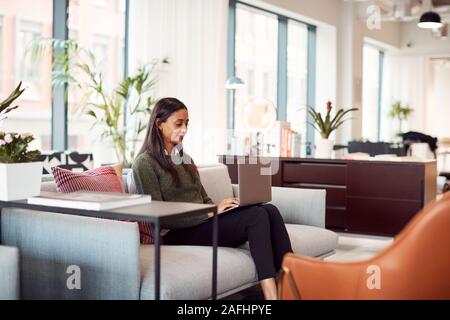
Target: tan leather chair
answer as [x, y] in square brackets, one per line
[415, 266]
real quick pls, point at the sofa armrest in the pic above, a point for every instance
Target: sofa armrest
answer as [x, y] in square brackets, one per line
[9, 273]
[51, 245]
[298, 206]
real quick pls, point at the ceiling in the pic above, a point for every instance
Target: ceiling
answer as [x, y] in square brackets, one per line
[404, 10]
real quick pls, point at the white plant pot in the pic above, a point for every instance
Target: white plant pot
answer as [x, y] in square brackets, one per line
[20, 180]
[324, 149]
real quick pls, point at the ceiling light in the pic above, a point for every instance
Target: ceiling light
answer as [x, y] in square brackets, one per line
[430, 20]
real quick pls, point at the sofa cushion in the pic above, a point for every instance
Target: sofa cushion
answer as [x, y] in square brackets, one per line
[309, 241]
[9, 271]
[186, 271]
[103, 179]
[106, 251]
[49, 186]
[209, 176]
[216, 181]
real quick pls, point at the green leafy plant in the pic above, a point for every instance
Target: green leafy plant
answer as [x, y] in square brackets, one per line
[401, 113]
[329, 124]
[6, 105]
[119, 112]
[14, 148]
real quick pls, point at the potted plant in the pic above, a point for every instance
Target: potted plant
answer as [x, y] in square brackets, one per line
[401, 113]
[121, 112]
[324, 146]
[20, 178]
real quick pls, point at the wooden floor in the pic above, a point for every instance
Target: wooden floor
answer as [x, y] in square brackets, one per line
[351, 247]
[253, 293]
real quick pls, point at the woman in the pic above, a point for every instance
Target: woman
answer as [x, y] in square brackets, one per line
[164, 171]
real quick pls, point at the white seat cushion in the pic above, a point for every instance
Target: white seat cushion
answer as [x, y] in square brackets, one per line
[186, 271]
[49, 186]
[9, 273]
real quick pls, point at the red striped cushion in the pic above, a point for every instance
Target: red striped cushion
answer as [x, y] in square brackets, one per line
[103, 179]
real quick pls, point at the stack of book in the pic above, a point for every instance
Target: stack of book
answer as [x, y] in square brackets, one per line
[87, 200]
[282, 141]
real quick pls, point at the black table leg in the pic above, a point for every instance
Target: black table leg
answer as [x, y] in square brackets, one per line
[215, 241]
[157, 261]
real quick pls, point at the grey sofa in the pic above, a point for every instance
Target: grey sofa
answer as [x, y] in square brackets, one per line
[113, 264]
[9, 273]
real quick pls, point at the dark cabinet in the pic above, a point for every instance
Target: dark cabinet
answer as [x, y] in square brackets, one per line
[363, 196]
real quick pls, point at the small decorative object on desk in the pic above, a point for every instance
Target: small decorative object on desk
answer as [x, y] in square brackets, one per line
[20, 178]
[401, 113]
[89, 200]
[324, 147]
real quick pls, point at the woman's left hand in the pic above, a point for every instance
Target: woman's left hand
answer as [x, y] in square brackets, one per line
[227, 203]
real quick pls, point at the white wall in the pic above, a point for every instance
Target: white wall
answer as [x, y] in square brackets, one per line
[416, 41]
[193, 35]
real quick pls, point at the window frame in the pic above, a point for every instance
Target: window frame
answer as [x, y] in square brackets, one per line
[60, 136]
[380, 75]
[282, 74]
[37, 28]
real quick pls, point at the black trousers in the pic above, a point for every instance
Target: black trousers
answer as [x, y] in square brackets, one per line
[261, 225]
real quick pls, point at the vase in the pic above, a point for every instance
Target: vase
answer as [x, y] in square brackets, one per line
[324, 148]
[20, 180]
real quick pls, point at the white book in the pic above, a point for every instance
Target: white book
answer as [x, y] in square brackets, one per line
[88, 200]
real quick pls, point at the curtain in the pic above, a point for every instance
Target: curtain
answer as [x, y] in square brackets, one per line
[192, 34]
[404, 80]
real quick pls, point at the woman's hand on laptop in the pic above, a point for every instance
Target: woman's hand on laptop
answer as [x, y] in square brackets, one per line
[227, 203]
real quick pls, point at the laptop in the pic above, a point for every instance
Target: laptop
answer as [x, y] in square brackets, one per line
[255, 185]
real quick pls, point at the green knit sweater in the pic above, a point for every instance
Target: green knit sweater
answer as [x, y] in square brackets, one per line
[150, 178]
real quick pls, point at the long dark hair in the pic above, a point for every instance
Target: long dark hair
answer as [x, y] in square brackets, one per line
[154, 143]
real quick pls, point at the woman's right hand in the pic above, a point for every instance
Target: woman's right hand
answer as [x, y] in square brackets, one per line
[227, 203]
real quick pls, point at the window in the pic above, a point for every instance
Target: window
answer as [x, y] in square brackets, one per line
[27, 70]
[100, 49]
[120, 57]
[2, 46]
[101, 3]
[16, 33]
[122, 6]
[274, 56]
[372, 78]
[256, 57]
[297, 76]
[100, 27]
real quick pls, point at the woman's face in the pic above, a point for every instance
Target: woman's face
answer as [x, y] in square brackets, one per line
[175, 127]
